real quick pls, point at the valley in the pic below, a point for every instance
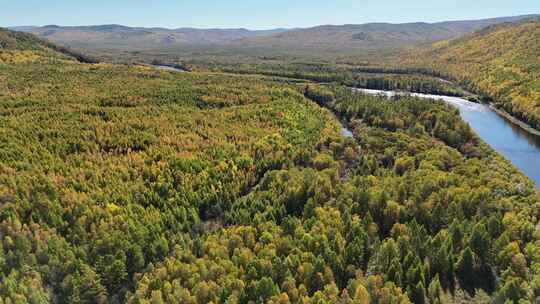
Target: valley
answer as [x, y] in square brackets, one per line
[332, 164]
[513, 139]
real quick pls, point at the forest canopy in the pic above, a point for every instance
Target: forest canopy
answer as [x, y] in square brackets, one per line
[124, 184]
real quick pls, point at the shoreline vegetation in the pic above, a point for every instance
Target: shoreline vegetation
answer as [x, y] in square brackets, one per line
[466, 93]
[514, 120]
[477, 98]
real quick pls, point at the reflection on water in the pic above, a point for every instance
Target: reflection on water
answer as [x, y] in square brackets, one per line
[511, 141]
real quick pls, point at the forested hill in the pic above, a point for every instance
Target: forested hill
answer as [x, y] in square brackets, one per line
[501, 61]
[17, 44]
[17, 41]
[128, 184]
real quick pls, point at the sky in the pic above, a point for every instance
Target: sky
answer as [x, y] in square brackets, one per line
[252, 14]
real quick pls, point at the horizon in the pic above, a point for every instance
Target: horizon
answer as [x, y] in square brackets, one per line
[266, 29]
[254, 16]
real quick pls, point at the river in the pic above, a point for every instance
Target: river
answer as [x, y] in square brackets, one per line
[167, 68]
[515, 144]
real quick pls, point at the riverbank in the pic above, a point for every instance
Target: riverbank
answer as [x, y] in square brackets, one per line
[523, 125]
[472, 97]
[514, 120]
[476, 98]
[493, 127]
[466, 94]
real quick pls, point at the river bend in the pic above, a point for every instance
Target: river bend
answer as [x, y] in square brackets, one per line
[515, 144]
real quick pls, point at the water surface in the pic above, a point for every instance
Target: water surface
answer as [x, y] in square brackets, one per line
[346, 132]
[512, 142]
[167, 68]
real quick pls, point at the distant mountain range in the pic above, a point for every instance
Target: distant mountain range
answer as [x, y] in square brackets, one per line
[363, 36]
[119, 36]
[377, 35]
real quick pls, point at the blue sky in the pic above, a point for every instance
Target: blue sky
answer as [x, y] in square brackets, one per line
[251, 13]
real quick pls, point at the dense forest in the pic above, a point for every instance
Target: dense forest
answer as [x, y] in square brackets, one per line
[123, 184]
[378, 78]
